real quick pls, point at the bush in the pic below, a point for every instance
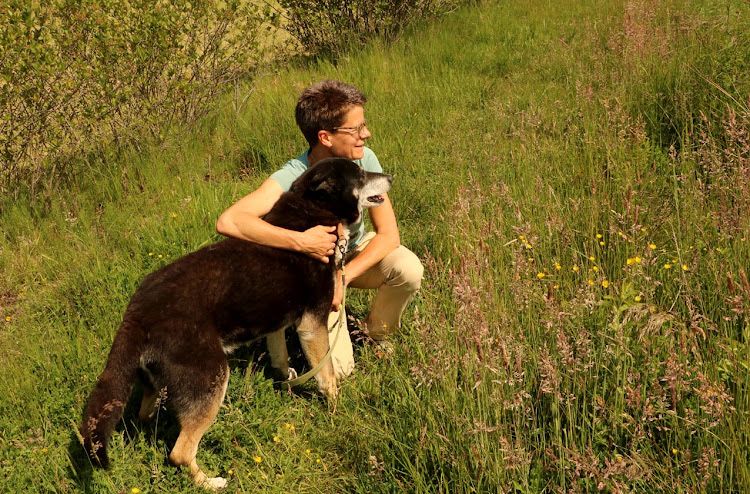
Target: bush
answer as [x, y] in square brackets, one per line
[75, 75]
[330, 27]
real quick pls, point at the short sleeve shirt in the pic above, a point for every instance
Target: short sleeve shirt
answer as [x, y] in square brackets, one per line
[297, 166]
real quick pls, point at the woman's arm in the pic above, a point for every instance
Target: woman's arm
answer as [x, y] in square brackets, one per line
[385, 241]
[243, 220]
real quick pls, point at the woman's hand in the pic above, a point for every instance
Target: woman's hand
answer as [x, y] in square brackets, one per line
[318, 242]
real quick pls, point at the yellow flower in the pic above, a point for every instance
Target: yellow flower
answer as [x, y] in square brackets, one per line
[637, 298]
[555, 286]
[652, 246]
[630, 261]
[684, 267]
[8, 318]
[288, 426]
[276, 439]
[230, 472]
[595, 269]
[590, 282]
[150, 254]
[540, 275]
[527, 245]
[257, 459]
[522, 238]
[598, 235]
[592, 258]
[135, 490]
[557, 266]
[675, 451]
[605, 283]
[308, 451]
[160, 256]
[575, 268]
[317, 461]
[667, 266]
[637, 259]
[173, 215]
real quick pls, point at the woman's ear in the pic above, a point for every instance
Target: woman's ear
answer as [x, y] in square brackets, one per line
[324, 137]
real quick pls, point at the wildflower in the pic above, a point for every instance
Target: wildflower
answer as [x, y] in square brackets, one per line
[557, 266]
[160, 256]
[289, 427]
[630, 261]
[602, 243]
[8, 318]
[555, 286]
[684, 267]
[173, 215]
[590, 282]
[675, 451]
[276, 439]
[598, 235]
[230, 472]
[257, 459]
[592, 258]
[522, 238]
[308, 451]
[595, 269]
[135, 490]
[575, 268]
[652, 246]
[637, 259]
[527, 245]
[150, 254]
[540, 275]
[317, 460]
[605, 283]
[637, 298]
[667, 266]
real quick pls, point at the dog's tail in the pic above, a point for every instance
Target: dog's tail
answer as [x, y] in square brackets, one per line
[107, 401]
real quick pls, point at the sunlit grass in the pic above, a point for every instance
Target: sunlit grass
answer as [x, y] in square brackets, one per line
[583, 321]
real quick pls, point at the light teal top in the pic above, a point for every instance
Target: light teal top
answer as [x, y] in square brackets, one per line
[297, 166]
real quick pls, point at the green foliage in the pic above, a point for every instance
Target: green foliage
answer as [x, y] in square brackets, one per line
[333, 27]
[583, 322]
[77, 75]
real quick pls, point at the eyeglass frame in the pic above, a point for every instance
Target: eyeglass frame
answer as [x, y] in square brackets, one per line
[352, 130]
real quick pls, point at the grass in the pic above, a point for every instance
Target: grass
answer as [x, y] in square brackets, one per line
[556, 167]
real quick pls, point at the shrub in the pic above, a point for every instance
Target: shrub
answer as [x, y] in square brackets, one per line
[330, 27]
[75, 75]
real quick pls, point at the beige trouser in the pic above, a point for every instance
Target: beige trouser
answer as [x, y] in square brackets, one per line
[397, 278]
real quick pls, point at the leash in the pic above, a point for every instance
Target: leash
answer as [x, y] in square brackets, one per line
[341, 245]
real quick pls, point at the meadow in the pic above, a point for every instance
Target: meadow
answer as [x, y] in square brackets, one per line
[575, 177]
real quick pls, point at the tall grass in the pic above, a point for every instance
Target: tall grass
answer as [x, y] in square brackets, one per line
[574, 178]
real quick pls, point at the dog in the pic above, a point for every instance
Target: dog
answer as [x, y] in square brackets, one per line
[185, 318]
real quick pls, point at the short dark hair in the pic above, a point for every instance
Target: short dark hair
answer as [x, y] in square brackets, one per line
[323, 106]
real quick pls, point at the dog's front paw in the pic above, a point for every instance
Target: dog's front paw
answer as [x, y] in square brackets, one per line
[215, 483]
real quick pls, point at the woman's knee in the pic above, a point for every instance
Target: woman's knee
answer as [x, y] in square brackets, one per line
[407, 269]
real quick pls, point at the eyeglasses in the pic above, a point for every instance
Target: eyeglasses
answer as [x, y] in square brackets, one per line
[352, 130]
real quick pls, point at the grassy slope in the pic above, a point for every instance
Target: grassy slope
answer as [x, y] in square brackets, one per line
[514, 135]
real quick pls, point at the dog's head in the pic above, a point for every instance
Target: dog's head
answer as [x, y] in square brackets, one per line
[342, 187]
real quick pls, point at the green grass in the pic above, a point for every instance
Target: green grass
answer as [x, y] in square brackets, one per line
[517, 133]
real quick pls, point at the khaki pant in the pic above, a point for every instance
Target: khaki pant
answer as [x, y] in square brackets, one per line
[397, 278]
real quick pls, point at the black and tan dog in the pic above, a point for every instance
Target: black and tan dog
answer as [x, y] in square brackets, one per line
[185, 318]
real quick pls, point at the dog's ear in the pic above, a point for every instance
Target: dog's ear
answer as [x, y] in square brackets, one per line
[326, 185]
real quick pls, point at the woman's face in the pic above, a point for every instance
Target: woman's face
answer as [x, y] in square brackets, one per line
[348, 139]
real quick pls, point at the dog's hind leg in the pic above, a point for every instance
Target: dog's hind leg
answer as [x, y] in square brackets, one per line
[197, 409]
[313, 336]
